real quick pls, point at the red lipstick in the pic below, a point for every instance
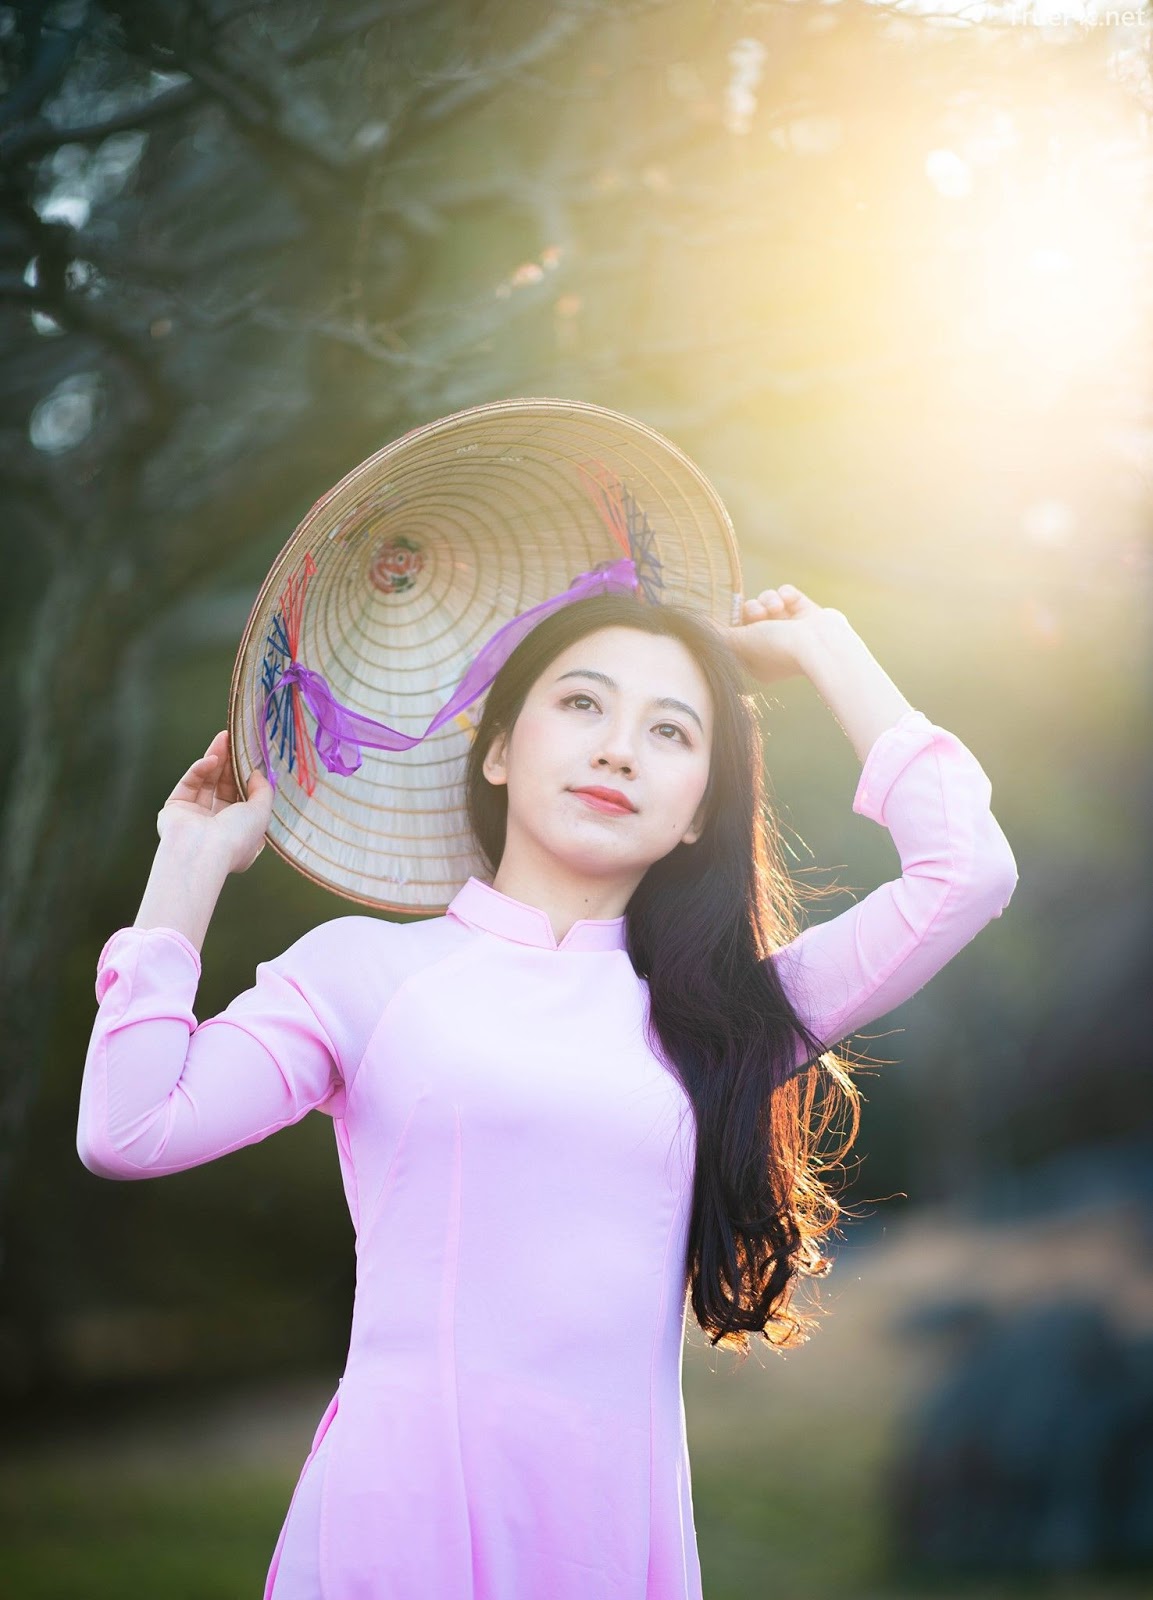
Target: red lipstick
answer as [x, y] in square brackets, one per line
[606, 799]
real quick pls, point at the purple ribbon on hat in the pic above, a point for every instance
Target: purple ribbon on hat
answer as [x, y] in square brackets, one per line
[341, 734]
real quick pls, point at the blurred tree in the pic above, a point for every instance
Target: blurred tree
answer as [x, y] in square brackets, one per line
[214, 219]
[243, 245]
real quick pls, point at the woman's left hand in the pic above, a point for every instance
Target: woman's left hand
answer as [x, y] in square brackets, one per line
[777, 628]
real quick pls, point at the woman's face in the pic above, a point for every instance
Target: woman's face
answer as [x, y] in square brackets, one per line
[619, 709]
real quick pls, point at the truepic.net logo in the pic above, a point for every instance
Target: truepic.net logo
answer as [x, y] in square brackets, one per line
[1040, 15]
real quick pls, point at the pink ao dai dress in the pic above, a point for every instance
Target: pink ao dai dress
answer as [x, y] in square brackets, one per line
[518, 1166]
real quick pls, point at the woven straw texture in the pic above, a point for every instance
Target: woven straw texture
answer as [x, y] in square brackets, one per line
[398, 575]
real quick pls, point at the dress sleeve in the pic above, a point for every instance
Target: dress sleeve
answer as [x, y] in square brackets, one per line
[958, 872]
[161, 1093]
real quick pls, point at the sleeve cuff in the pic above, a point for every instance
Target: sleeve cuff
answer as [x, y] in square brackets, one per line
[890, 754]
[126, 946]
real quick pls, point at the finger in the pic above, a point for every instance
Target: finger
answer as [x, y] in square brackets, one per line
[219, 746]
[226, 790]
[261, 795]
[215, 756]
[201, 776]
[258, 785]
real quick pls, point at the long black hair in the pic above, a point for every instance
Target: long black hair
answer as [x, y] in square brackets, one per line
[700, 926]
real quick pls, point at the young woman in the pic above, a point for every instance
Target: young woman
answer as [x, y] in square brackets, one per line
[596, 1091]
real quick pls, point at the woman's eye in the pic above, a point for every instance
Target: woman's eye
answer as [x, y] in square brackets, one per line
[571, 700]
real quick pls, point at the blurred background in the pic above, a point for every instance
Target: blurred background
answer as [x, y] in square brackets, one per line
[883, 271]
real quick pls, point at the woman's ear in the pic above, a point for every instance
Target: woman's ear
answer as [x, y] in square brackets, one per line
[494, 767]
[696, 827]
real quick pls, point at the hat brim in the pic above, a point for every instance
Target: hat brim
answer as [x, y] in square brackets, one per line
[417, 556]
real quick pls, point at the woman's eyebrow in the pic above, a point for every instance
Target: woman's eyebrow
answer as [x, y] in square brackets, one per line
[610, 683]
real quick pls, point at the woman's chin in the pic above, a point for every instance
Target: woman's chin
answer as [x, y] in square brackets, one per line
[592, 862]
[591, 846]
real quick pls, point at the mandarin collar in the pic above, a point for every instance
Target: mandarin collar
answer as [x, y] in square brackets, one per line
[478, 905]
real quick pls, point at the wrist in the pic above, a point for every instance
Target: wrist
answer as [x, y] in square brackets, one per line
[193, 854]
[830, 638]
[183, 887]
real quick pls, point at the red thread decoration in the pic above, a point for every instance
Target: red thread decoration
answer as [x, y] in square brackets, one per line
[604, 492]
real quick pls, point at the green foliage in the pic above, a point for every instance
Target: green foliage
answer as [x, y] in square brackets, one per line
[104, 1534]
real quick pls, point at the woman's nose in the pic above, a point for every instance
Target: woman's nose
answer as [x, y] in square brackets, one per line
[618, 754]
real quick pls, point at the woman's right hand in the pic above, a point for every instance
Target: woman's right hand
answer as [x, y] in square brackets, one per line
[205, 809]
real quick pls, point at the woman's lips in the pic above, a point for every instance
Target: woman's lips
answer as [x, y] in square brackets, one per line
[599, 804]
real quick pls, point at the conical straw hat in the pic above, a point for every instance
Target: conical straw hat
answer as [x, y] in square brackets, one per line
[395, 580]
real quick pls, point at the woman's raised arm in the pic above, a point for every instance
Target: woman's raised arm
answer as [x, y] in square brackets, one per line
[920, 782]
[958, 873]
[206, 831]
[161, 1093]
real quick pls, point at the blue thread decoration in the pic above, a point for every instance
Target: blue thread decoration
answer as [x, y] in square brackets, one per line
[279, 719]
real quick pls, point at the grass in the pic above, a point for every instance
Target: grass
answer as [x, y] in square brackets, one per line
[790, 1454]
[806, 1532]
[123, 1532]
